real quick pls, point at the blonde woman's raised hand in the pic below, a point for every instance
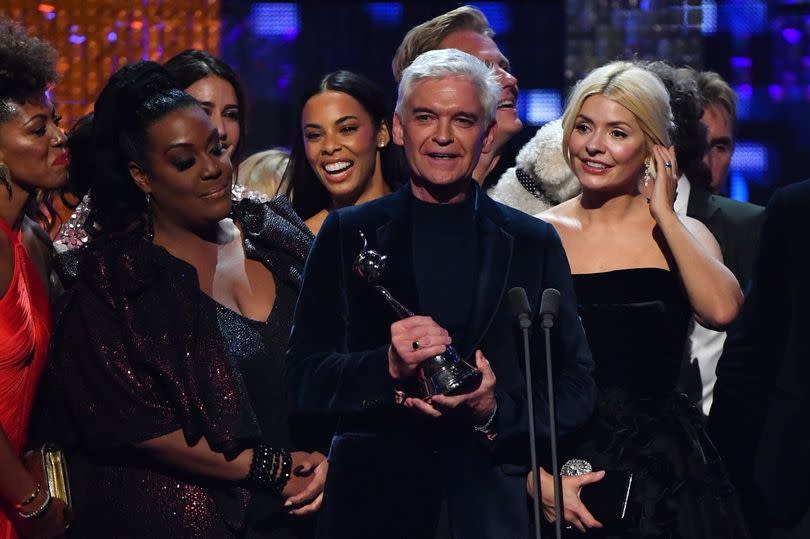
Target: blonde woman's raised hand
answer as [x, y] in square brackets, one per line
[664, 191]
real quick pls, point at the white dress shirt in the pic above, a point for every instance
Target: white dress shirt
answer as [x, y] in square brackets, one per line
[703, 345]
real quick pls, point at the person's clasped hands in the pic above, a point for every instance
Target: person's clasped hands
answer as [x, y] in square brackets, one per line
[418, 338]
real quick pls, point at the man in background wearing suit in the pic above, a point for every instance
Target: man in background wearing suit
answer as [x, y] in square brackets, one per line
[734, 224]
[764, 375]
[738, 408]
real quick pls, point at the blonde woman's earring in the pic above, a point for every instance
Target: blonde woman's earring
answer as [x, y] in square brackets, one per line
[649, 173]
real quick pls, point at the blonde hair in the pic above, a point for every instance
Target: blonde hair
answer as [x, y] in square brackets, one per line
[264, 171]
[634, 88]
[427, 36]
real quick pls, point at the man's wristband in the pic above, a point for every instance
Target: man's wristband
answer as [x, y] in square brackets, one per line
[486, 427]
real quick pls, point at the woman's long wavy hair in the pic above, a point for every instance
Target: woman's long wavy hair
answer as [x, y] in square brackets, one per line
[310, 196]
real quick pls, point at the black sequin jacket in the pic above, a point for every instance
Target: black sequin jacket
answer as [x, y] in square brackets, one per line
[136, 355]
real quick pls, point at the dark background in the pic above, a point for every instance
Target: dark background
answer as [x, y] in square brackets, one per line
[761, 47]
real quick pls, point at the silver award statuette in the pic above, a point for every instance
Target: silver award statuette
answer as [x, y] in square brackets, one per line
[444, 374]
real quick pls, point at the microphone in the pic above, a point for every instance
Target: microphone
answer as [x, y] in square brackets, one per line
[549, 306]
[519, 302]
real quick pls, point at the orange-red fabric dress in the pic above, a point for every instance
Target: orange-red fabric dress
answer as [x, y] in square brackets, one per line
[25, 331]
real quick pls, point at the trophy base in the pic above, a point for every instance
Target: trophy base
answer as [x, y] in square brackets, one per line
[447, 374]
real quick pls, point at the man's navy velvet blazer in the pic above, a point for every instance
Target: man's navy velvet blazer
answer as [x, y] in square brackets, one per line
[390, 469]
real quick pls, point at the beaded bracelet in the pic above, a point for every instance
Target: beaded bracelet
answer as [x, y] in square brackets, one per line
[42, 509]
[286, 469]
[30, 498]
[270, 468]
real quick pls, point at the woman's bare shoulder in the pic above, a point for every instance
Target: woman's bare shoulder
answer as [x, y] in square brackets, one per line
[36, 240]
[563, 216]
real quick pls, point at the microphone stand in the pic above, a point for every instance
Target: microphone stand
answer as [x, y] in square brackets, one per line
[548, 323]
[525, 324]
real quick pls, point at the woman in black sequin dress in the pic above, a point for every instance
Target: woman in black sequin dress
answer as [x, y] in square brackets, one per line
[640, 272]
[169, 348]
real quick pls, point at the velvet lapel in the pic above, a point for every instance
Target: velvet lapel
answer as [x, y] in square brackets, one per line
[393, 239]
[494, 261]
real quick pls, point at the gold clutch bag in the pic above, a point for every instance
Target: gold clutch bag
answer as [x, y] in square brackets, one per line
[47, 464]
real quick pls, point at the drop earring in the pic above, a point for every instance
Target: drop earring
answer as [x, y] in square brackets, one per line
[149, 233]
[649, 173]
[5, 178]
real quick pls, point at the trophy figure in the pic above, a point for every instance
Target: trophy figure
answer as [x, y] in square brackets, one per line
[443, 374]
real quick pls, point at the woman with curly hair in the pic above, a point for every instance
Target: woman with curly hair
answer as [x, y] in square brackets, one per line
[33, 160]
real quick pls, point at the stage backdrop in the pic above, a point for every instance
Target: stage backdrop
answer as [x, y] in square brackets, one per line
[762, 47]
[95, 37]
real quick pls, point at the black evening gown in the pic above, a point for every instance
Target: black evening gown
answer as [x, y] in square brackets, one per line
[140, 351]
[636, 322]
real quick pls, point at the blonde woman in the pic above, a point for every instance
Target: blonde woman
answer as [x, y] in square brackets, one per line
[640, 273]
[263, 172]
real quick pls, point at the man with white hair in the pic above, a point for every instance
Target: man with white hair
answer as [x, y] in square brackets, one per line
[404, 466]
[466, 28]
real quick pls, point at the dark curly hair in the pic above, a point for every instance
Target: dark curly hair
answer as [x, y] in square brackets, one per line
[135, 97]
[309, 196]
[27, 69]
[690, 133]
[27, 66]
[192, 65]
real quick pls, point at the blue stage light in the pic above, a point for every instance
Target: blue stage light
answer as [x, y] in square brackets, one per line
[385, 12]
[743, 17]
[537, 107]
[792, 35]
[498, 15]
[750, 158]
[738, 187]
[709, 11]
[275, 19]
[745, 94]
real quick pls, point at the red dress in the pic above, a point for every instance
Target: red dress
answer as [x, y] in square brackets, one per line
[25, 330]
